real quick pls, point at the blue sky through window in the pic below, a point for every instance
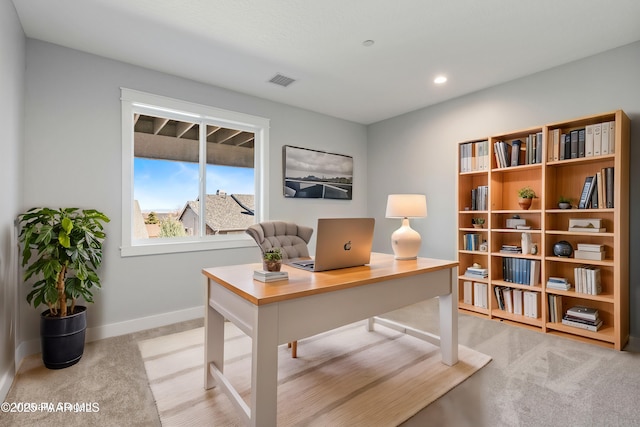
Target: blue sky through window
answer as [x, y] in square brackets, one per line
[166, 185]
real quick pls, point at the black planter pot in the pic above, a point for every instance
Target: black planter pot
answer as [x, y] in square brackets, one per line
[62, 338]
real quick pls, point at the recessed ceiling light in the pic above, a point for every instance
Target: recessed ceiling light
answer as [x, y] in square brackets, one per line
[440, 80]
[368, 43]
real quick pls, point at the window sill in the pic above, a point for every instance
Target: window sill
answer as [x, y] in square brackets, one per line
[145, 247]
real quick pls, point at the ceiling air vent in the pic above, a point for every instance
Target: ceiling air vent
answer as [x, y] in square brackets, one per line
[281, 80]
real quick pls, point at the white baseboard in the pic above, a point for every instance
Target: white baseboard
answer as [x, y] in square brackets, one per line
[143, 323]
[5, 383]
[27, 348]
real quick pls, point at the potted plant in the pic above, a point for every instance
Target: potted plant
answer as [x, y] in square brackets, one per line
[272, 259]
[66, 247]
[564, 202]
[477, 222]
[525, 196]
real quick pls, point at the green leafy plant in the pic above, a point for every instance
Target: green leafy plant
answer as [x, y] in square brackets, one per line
[479, 221]
[272, 255]
[563, 199]
[526, 193]
[67, 248]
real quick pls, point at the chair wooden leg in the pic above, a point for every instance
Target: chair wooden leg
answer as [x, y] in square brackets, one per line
[294, 349]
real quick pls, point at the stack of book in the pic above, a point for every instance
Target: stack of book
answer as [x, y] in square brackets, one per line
[270, 276]
[589, 251]
[587, 279]
[477, 272]
[510, 249]
[582, 317]
[558, 283]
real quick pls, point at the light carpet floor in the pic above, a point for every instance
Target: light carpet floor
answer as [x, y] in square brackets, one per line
[345, 377]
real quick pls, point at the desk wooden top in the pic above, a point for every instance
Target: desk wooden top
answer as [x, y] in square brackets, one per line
[239, 278]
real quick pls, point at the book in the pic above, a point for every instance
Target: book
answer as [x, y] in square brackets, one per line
[270, 276]
[508, 299]
[538, 158]
[600, 190]
[480, 295]
[573, 146]
[517, 301]
[598, 256]
[612, 137]
[597, 139]
[559, 286]
[605, 138]
[583, 312]
[585, 195]
[588, 142]
[570, 322]
[608, 179]
[467, 296]
[581, 143]
[593, 202]
[531, 303]
[515, 152]
[590, 247]
[555, 308]
[553, 145]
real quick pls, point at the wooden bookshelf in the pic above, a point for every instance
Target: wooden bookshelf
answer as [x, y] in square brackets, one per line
[551, 177]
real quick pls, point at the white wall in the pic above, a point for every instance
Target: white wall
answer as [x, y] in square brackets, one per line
[416, 152]
[72, 149]
[12, 52]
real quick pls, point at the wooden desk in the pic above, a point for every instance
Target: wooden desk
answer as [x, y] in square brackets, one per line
[309, 303]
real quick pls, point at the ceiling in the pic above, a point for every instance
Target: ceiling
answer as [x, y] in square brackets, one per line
[241, 44]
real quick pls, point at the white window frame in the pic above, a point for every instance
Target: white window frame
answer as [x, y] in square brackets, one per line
[134, 101]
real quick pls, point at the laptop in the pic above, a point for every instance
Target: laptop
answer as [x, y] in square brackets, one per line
[340, 243]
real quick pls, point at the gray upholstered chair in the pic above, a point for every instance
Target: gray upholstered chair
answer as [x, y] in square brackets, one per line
[291, 238]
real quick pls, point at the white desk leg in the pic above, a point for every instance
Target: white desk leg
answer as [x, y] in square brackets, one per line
[264, 367]
[449, 323]
[213, 339]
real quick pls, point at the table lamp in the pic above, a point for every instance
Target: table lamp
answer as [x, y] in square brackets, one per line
[405, 241]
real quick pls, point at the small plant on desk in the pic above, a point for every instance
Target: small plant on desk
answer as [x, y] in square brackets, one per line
[272, 259]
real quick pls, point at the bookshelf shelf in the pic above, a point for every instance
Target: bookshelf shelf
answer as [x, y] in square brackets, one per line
[495, 177]
[501, 314]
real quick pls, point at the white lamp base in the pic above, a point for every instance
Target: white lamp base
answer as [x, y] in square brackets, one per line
[405, 241]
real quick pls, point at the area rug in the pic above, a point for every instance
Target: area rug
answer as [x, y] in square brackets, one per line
[344, 377]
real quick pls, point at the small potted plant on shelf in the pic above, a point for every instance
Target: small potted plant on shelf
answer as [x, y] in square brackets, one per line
[477, 222]
[272, 259]
[564, 202]
[525, 196]
[66, 247]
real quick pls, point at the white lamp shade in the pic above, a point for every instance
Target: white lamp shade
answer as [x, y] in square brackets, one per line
[406, 206]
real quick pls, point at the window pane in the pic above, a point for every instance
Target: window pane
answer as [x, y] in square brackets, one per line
[166, 175]
[230, 180]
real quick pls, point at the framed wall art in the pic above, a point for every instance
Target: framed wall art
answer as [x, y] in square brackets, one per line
[314, 174]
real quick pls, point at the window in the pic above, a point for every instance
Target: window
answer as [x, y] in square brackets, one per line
[177, 154]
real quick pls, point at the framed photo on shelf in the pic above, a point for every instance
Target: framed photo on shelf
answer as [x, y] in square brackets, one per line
[314, 174]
